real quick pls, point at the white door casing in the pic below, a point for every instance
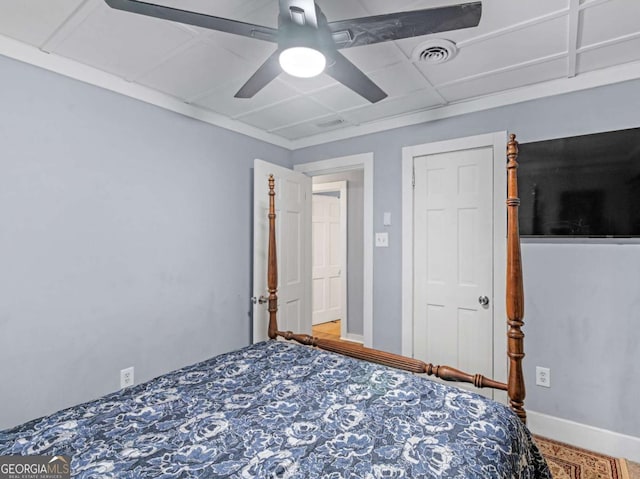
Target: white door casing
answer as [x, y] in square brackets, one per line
[335, 165]
[449, 276]
[453, 259]
[293, 238]
[329, 264]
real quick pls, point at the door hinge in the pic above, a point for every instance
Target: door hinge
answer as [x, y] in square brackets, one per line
[413, 177]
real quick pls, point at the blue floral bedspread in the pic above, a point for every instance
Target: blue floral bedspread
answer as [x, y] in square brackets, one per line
[279, 410]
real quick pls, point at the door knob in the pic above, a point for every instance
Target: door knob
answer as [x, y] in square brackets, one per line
[260, 300]
[483, 300]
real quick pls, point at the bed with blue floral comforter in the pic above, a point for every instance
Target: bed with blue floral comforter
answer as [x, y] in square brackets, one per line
[279, 410]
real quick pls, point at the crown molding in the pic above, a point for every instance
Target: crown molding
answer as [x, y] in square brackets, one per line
[584, 81]
[28, 54]
[73, 69]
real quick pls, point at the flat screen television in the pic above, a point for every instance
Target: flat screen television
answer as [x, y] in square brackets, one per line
[582, 186]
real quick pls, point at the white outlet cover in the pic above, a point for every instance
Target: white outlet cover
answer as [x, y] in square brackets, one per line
[543, 377]
[126, 378]
[382, 240]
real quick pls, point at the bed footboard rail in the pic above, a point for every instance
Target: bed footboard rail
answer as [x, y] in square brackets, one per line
[446, 373]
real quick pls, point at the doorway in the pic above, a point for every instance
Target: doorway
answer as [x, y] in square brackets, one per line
[329, 251]
[454, 252]
[357, 171]
[338, 264]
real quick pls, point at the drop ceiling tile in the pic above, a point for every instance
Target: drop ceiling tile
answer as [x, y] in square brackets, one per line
[287, 113]
[341, 10]
[222, 101]
[369, 58]
[259, 12]
[201, 68]
[339, 97]
[251, 49]
[505, 80]
[33, 21]
[317, 126]
[120, 42]
[306, 85]
[399, 79]
[418, 100]
[609, 56]
[500, 52]
[496, 15]
[609, 20]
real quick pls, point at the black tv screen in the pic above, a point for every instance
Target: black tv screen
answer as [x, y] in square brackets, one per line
[581, 186]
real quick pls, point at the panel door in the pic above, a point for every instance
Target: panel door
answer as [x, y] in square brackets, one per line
[293, 240]
[326, 271]
[453, 253]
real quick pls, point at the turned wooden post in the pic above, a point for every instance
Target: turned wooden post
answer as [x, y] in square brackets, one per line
[272, 265]
[515, 292]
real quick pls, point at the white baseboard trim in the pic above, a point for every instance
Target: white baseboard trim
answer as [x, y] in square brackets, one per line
[587, 437]
[354, 338]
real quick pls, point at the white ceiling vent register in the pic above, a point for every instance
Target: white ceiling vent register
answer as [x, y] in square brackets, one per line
[434, 51]
[330, 123]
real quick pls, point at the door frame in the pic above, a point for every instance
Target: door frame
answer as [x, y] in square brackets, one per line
[339, 187]
[497, 141]
[362, 161]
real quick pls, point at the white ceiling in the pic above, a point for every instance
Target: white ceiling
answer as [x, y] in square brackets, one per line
[517, 44]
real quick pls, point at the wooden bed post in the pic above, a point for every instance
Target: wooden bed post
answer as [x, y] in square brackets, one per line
[515, 292]
[272, 266]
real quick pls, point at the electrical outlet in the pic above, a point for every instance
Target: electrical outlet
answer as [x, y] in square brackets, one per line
[382, 240]
[126, 378]
[543, 377]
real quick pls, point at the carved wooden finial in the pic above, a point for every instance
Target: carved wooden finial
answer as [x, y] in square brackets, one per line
[272, 186]
[512, 151]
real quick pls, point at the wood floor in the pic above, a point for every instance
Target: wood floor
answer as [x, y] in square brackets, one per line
[330, 330]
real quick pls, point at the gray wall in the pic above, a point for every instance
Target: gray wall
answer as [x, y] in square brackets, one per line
[355, 239]
[582, 300]
[116, 219]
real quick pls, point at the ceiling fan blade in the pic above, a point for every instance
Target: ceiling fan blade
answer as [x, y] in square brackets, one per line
[261, 78]
[196, 19]
[352, 77]
[395, 26]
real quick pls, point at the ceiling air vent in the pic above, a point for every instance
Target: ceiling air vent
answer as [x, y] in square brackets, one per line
[330, 123]
[434, 51]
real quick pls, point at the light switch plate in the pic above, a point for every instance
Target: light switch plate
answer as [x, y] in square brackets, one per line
[386, 218]
[382, 240]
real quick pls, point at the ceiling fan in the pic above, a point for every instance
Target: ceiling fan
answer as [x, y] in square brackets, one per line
[308, 44]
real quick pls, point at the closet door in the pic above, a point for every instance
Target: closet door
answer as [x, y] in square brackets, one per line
[453, 252]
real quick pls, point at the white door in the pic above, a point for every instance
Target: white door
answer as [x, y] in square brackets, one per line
[453, 254]
[327, 259]
[293, 238]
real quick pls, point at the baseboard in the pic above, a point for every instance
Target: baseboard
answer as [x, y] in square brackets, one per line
[355, 338]
[588, 437]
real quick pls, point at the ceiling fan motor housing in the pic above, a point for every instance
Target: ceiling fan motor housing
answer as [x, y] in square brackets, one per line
[296, 29]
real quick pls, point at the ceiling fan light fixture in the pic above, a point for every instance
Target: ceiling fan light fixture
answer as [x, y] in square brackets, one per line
[302, 62]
